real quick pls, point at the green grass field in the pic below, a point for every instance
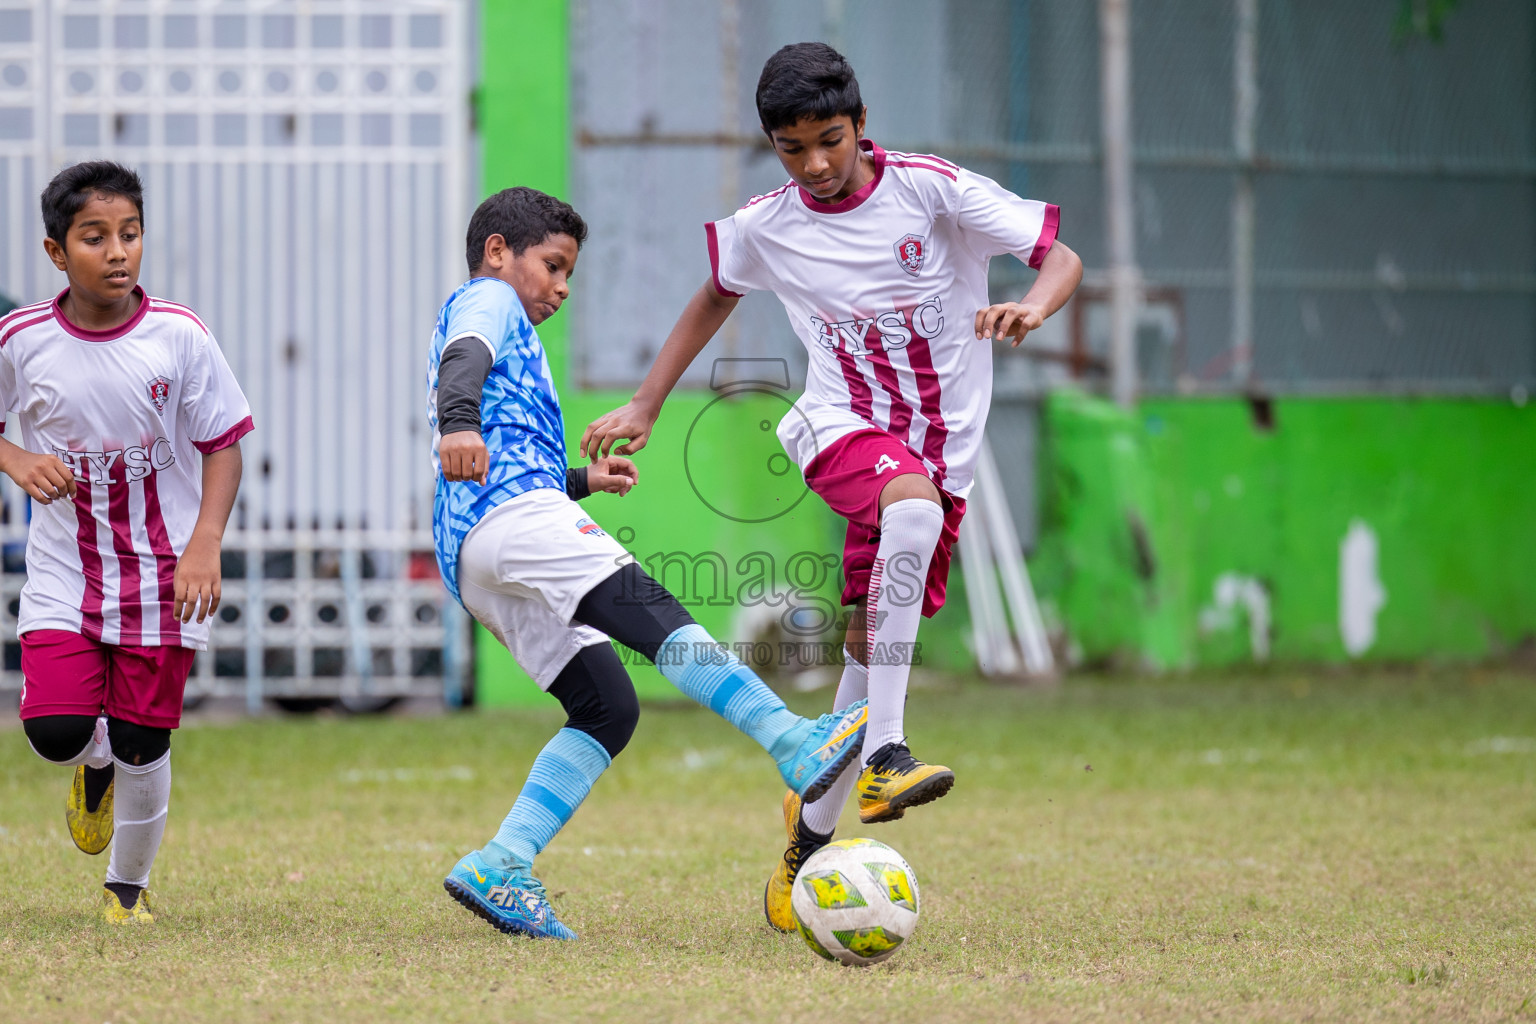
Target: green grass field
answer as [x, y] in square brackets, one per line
[1294, 846]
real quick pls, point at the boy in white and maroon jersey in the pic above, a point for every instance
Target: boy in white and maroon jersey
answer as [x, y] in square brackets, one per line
[880, 259]
[130, 427]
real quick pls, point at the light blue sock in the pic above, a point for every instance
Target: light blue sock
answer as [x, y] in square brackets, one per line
[560, 779]
[696, 664]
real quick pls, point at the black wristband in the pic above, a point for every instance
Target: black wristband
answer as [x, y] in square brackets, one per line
[576, 486]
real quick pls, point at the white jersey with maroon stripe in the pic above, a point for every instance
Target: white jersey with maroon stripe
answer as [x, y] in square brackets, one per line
[883, 289]
[128, 411]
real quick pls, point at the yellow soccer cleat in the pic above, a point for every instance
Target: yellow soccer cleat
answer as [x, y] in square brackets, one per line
[90, 829]
[116, 913]
[895, 780]
[802, 843]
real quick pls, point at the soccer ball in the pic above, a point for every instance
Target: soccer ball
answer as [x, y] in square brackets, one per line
[855, 901]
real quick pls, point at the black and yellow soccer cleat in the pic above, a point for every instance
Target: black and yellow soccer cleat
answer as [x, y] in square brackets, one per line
[115, 913]
[802, 843]
[90, 826]
[895, 780]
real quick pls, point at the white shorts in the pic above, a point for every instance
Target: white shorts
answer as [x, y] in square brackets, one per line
[525, 567]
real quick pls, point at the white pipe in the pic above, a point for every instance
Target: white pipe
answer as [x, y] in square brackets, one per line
[1115, 85]
[1028, 624]
[1245, 106]
[730, 158]
[994, 654]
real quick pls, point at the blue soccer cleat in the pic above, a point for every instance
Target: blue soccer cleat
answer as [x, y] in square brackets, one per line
[512, 903]
[831, 741]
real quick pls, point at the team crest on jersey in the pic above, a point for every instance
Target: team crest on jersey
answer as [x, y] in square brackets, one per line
[590, 528]
[910, 252]
[159, 392]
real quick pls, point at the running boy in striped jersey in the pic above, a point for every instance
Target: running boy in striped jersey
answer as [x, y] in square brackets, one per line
[130, 428]
[880, 259]
[535, 570]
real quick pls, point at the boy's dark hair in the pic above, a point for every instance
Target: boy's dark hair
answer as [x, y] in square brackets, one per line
[522, 216]
[806, 80]
[77, 185]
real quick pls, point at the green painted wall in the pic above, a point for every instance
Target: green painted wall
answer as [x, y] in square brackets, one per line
[523, 103]
[522, 112]
[1145, 511]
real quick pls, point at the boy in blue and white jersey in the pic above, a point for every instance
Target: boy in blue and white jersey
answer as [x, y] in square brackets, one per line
[521, 423]
[527, 562]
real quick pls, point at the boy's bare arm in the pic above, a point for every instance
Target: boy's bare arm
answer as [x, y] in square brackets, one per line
[197, 570]
[702, 317]
[1060, 273]
[44, 477]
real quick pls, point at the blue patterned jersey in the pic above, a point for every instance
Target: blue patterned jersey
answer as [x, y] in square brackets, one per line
[519, 413]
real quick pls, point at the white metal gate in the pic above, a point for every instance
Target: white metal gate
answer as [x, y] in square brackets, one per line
[307, 183]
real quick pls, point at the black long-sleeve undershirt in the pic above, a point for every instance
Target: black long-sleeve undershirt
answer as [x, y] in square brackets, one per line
[461, 377]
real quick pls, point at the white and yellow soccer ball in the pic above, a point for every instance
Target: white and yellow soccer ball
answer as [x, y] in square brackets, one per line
[855, 901]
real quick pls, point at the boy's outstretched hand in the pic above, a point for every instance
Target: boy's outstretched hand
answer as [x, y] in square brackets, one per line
[1008, 320]
[631, 421]
[463, 456]
[612, 474]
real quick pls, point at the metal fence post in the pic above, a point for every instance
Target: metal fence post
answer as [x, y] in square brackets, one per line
[1119, 210]
[1245, 105]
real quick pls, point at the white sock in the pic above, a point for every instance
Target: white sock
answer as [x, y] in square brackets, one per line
[821, 816]
[95, 754]
[909, 533]
[138, 819]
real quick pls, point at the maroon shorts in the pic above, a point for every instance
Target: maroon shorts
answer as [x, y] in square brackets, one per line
[65, 673]
[849, 476]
